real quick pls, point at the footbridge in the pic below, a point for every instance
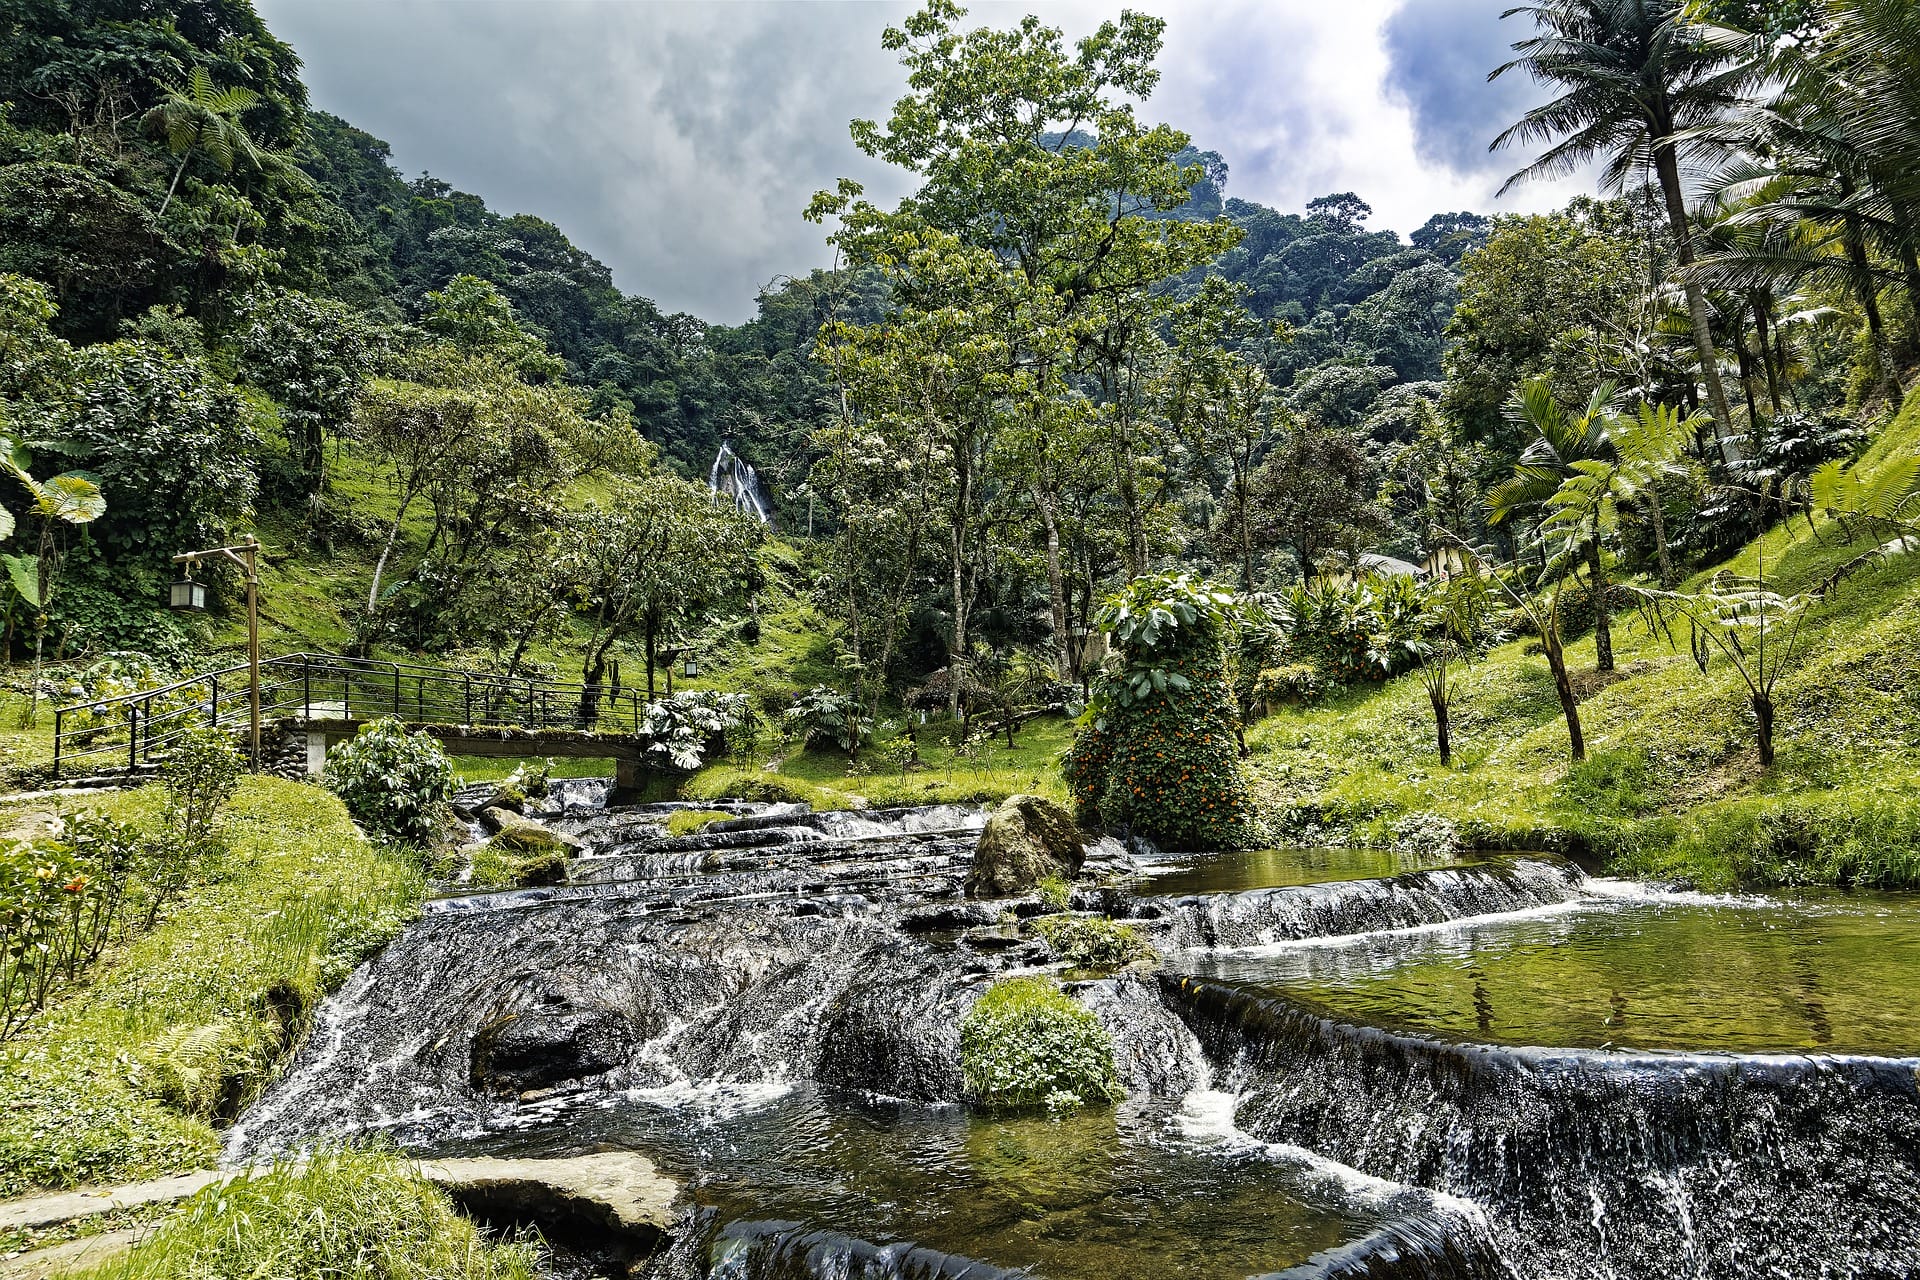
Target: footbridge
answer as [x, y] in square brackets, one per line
[318, 699]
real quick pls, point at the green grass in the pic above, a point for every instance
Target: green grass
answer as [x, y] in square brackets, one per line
[684, 822]
[130, 1075]
[1673, 785]
[827, 779]
[499, 768]
[346, 1215]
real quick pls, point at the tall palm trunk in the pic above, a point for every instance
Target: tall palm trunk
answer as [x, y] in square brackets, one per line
[1667, 167]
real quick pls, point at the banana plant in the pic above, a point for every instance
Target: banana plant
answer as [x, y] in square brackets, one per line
[69, 500]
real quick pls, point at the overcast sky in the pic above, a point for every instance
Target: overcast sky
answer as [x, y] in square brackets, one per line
[679, 141]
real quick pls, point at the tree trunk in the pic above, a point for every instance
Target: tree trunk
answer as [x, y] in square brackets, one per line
[1442, 729]
[1763, 721]
[1762, 322]
[1657, 514]
[1563, 686]
[1668, 169]
[1870, 303]
[651, 633]
[1602, 615]
[1056, 583]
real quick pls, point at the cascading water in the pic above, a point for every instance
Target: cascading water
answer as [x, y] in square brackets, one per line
[770, 1009]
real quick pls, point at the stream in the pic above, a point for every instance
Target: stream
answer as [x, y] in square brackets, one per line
[1347, 1063]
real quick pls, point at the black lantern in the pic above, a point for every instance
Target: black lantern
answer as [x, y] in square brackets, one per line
[187, 595]
[691, 668]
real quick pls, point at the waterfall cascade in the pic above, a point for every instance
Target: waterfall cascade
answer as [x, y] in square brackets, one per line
[1320, 1080]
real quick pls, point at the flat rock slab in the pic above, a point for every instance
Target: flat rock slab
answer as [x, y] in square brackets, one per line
[35, 1213]
[73, 1255]
[613, 1194]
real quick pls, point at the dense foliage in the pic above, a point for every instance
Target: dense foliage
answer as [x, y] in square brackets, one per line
[1157, 749]
[397, 784]
[1024, 1046]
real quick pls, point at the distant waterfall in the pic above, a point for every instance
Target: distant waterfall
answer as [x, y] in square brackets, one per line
[733, 479]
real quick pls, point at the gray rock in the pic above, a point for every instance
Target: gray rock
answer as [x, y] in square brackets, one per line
[1026, 840]
[613, 1198]
[524, 836]
[526, 1051]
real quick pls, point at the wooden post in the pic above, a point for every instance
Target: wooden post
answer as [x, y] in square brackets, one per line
[251, 552]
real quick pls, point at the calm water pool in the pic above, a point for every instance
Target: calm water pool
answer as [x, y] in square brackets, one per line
[1834, 973]
[1278, 868]
[1090, 1196]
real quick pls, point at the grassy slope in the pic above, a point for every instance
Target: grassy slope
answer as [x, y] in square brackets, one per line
[127, 1076]
[1673, 785]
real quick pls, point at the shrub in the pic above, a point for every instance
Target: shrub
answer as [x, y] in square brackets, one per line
[347, 1213]
[1288, 682]
[1025, 1045]
[395, 783]
[1368, 629]
[200, 777]
[678, 729]
[823, 717]
[1157, 749]
[60, 900]
[1095, 942]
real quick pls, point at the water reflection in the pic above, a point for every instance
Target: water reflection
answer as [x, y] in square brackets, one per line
[1672, 972]
[1243, 870]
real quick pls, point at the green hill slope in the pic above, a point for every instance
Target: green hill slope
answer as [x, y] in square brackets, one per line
[1672, 786]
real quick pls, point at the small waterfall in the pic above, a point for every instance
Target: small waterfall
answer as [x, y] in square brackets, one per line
[733, 479]
[1262, 917]
[708, 1249]
[1613, 1166]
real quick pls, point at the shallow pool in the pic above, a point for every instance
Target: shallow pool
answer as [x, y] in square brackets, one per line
[1833, 973]
[1244, 870]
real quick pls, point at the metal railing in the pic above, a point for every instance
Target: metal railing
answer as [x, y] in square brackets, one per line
[137, 729]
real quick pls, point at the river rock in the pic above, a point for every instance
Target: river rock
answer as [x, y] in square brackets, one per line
[524, 836]
[1026, 840]
[614, 1198]
[526, 1051]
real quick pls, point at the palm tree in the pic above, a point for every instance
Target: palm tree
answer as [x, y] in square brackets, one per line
[1563, 440]
[1635, 76]
[198, 118]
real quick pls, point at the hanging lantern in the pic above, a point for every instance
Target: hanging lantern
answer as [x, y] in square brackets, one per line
[187, 595]
[691, 668]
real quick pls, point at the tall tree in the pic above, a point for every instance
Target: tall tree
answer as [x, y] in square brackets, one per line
[1638, 80]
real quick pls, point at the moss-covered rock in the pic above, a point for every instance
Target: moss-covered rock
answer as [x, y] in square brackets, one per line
[1025, 1045]
[1026, 840]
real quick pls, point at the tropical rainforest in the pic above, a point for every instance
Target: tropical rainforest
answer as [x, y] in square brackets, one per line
[1072, 475]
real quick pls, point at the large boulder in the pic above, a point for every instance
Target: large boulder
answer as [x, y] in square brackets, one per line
[525, 837]
[1026, 840]
[523, 1052]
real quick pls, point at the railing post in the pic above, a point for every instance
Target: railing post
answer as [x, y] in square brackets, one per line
[306, 689]
[59, 714]
[396, 690]
[213, 703]
[133, 737]
[466, 681]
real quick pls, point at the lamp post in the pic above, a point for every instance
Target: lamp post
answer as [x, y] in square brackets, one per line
[188, 595]
[670, 654]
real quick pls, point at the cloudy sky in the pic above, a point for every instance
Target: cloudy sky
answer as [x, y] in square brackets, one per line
[679, 141]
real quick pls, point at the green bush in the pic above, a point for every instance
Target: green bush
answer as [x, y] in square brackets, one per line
[1094, 942]
[354, 1215]
[1157, 749]
[1025, 1046]
[1288, 682]
[60, 898]
[395, 783]
[1368, 629]
[200, 776]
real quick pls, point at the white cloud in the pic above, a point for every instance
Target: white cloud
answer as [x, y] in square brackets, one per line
[679, 142]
